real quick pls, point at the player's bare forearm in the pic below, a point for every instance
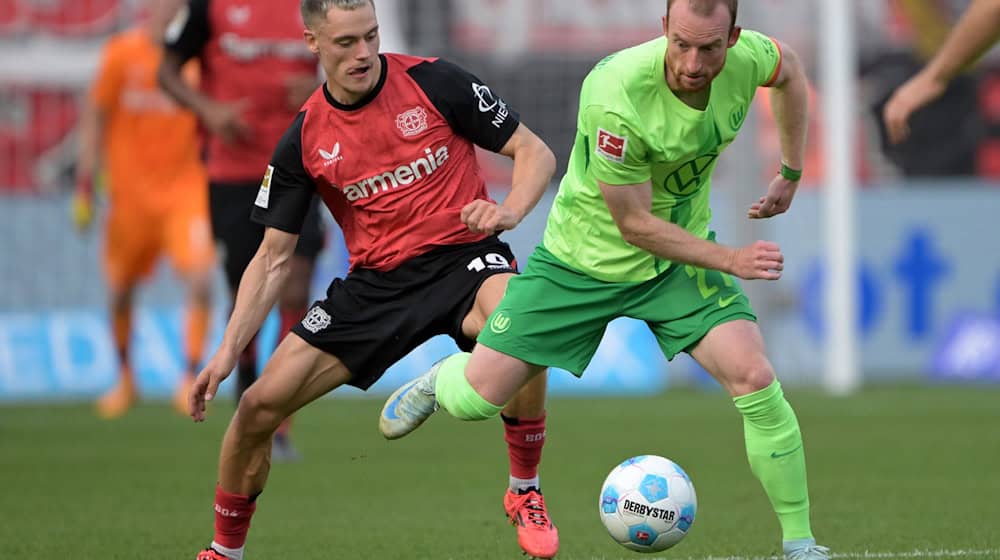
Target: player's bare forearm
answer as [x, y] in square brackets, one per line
[534, 165]
[224, 120]
[259, 289]
[172, 81]
[790, 103]
[674, 243]
[761, 260]
[630, 207]
[975, 32]
[91, 130]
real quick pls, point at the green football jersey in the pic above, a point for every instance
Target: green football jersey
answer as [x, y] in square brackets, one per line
[632, 129]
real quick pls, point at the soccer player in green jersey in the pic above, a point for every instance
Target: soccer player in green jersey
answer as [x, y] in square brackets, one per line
[628, 236]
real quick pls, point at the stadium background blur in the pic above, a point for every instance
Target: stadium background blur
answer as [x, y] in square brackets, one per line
[928, 258]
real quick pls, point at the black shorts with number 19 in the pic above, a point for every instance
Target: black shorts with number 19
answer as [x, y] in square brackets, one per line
[371, 319]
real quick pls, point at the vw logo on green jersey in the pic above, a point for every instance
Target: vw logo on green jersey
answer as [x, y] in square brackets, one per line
[500, 323]
[686, 179]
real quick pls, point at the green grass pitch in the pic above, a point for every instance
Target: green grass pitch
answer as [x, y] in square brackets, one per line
[902, 472]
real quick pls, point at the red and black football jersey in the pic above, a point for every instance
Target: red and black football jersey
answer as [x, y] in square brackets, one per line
[249, 50]
[396, 168]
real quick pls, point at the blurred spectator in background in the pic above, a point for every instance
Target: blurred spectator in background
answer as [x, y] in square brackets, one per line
[256, 73]
[956, 113]
[147, 148]
[975, 33]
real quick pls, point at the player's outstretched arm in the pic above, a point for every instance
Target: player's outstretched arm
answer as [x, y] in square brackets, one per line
[534, 165]
[99, 102]
[630, 207]
[790, 103]
[91, 130]
[975, 32]
[258, 292]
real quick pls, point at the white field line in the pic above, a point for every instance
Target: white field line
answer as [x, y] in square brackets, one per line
[918, 554]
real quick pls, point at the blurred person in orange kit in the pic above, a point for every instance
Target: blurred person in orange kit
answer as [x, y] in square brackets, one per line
[256, 73]
[148, 150]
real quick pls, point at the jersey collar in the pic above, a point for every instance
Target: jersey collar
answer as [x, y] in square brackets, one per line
[364, 100]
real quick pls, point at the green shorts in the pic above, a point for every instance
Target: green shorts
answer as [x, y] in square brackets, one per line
[553, 315]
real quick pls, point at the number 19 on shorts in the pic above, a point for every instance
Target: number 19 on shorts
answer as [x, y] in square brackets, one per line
[492, 261]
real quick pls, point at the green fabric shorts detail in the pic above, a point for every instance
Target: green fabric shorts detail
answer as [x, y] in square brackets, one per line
[554, 315]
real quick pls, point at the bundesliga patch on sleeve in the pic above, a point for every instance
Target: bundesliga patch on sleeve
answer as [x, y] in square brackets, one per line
[264, 194]
[611, 146]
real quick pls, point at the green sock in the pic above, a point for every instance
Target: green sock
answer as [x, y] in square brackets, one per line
[456, 395]
[774, 448]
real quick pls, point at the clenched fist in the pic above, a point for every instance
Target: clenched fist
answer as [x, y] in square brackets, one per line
[761, 260]
[482, 216]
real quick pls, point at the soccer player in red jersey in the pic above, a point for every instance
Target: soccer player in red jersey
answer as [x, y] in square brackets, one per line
[255, 75]
[388, 142]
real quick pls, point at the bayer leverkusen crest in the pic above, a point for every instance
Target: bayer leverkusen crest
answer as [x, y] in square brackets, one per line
[316, 320]
[412, 122]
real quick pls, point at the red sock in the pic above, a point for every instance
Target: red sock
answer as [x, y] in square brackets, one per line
[525, 439]
[288, 319]
[285, 427]
[232, 518]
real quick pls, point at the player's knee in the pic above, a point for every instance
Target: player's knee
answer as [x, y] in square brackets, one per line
[751, 377]
[258, 414]
[760, 377]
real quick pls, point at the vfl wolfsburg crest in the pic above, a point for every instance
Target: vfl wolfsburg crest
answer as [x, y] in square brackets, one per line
[500, 323]
[737, 116]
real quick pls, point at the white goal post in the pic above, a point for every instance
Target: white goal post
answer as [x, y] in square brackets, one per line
[842, 373]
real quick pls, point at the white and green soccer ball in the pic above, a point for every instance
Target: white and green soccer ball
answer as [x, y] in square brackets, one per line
[648, 503]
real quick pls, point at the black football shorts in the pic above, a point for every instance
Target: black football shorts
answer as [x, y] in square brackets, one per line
[371, 319]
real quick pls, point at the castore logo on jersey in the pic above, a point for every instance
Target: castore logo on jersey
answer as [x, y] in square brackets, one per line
[331, 157]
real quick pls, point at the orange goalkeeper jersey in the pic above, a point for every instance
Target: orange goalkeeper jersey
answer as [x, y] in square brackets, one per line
[150, 144]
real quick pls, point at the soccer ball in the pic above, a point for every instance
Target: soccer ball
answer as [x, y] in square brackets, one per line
[648, 503]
